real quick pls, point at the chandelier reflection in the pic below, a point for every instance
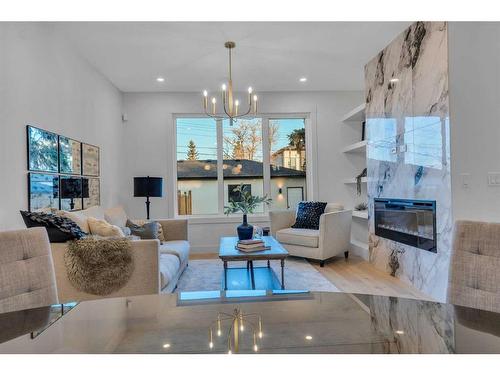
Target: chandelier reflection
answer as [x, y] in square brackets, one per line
[236, 325]
[230, 105]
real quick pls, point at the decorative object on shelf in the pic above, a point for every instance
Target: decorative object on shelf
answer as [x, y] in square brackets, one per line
[361, 207]
[358, 181]
[258, 232]
[246, 204]
[363, 130]
[239, 323]
[394, 259]
[70, 156]
[230, 105]
[71, 188]
[148, 187]
[91, 192]
[90, 159]
[43, 191]
[42, 150]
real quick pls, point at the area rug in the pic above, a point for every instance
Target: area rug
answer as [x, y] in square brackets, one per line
[206, 274]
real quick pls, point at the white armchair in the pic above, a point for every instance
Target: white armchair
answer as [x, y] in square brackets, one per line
[332, 238]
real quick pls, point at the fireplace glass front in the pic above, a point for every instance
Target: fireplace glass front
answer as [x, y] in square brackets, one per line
[411, 222]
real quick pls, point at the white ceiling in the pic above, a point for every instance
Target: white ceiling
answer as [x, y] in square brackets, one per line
[270, 56]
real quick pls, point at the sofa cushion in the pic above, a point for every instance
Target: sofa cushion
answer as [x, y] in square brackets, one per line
[161, 235]
[334, 207]
[116, 216]
[300, 237]
[77, 216]
[308, 215]
[103, 228]
[169, 266]
[147, 231]
[94, 211]
[59, 229]
[177, 248]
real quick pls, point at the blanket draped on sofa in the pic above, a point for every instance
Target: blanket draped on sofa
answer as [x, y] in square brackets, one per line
[99, 266]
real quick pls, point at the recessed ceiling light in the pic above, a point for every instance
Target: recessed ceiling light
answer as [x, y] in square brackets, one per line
[394, 80]
[400, 332]
[303, 79]
[166, 346]
[309, 337]
[160, 79]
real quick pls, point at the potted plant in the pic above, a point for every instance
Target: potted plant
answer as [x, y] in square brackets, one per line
[246, 204]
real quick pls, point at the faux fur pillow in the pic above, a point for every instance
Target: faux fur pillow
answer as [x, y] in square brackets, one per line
[103, 228]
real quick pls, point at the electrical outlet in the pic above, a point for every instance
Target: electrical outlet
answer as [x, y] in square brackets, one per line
[493, 178]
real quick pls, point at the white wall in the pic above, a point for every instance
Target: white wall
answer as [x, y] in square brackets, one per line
[474, 65]
[148, 147]
[44, 83]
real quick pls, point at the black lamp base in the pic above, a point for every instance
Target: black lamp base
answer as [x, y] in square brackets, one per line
[147, 208]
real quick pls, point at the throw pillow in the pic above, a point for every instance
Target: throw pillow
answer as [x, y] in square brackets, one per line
[161, 233]
[147, 231]
[308, 215]
[103, 228]
[78, 217]
[116, 216]
[59, 229]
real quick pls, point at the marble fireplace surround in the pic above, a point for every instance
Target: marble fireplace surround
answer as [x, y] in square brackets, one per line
[408, 153]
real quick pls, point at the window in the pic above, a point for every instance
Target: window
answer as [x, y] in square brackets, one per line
[214, 157]
[236, 195]
[287, 146]
[197, 189]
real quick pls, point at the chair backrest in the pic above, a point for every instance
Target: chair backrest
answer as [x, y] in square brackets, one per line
[27, 278]
[475, 266]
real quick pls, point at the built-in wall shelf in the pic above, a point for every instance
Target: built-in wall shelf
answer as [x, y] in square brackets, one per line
[360, 214]
[356, 147]
[356, 115]
[347, 181]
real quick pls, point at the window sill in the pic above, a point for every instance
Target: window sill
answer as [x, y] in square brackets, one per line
[218, 219]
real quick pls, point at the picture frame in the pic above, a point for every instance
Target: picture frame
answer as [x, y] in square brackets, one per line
[65, 203]
[43, 191]
[42, 150]
[70, 156]
[90, 160]
[295, 189]
[91, 188]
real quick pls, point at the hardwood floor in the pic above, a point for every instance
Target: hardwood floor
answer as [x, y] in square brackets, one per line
[355, 275]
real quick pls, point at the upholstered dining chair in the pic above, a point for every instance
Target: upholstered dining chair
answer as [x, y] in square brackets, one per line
[27, 278]
[475, 266]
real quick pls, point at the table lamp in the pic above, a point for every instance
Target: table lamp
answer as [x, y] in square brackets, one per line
[148, 187]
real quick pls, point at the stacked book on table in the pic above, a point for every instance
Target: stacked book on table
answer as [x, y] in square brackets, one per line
[249, 246]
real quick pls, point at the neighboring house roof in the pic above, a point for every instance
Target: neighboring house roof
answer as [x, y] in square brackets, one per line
[233, 168]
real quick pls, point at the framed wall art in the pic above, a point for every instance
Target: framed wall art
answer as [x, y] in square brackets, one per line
[70, 193]
[91, 188]
[70, 156]
[90, 160]
[42, 150]
[43, 191]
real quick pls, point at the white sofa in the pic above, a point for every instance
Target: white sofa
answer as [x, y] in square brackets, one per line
[331, 239]
[157, 266]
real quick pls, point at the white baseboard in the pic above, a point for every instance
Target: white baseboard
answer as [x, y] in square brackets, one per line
[360, 249]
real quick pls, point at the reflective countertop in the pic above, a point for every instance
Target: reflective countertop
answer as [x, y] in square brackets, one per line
[288, 321]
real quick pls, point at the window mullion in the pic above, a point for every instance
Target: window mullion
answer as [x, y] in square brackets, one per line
[266, 152]
[220, 167]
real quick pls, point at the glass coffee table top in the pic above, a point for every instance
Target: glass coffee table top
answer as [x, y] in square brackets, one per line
[279, 321]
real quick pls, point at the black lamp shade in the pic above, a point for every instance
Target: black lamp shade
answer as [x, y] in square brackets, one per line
[71, 188]
[148, 186]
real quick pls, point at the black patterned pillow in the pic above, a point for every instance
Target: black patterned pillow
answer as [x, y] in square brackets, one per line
[308, 214]
[59, 229]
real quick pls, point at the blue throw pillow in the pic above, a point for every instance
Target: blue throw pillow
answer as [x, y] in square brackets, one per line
[308, 214]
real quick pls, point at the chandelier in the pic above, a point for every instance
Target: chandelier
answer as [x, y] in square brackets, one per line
[239, 323]
[230, 105]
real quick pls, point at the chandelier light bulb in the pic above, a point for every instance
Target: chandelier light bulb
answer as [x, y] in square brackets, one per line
[255, 98]
[250, 90]
[219, 332]
[229, 351]
[205, 93]
[236, 102]
[211, 345]
[260, 334]
[214, 101]
[255, 348]
[224, 87]
[242, 328]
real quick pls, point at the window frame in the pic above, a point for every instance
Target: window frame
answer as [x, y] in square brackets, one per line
[310, 157]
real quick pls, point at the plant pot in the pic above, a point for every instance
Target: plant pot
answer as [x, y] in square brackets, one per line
[245, 230]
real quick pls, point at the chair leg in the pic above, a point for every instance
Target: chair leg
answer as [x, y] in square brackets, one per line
[321, 263]
[346, 254]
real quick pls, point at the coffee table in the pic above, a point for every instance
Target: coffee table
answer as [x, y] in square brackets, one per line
[229, 253]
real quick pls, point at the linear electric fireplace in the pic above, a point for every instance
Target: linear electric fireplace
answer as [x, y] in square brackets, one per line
[412, 222]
